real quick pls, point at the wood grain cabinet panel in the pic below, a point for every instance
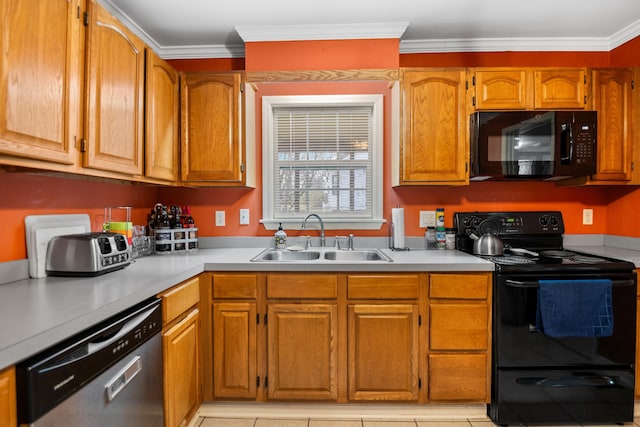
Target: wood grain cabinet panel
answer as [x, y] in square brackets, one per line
[560, 89]
[458, 377]
[302, 351]
[234, 350]
[382, 286]
[114, 128]
[212, 147]
[434, 147]
[8, 405]
[458, 327]
[41, 74]
[500, 89]
[162, 102]
[383, 352]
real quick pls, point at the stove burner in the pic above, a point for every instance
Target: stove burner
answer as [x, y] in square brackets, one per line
[584, 259]
[512, 260]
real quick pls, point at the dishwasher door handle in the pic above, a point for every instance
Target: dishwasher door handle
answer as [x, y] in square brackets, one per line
[120, 380]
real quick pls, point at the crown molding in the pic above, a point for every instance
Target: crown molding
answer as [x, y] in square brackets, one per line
[505, 44]
[262, 33]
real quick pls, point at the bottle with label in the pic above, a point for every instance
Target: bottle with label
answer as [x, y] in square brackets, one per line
[430, 238]
[450, 238]
[280, 238]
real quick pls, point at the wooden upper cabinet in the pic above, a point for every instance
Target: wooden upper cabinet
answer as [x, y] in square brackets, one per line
[211, 133]
[530, 88]
[115, 96]
[612, 99]
[434, 146]
[560, 89]
[161, 119]
[41, 70]
[502, 89]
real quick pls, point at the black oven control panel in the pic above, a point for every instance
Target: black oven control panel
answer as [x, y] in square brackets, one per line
[509, 223]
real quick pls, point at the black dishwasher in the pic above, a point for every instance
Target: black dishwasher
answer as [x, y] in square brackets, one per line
[109, 374]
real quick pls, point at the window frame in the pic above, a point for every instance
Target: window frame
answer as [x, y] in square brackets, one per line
[376, 102]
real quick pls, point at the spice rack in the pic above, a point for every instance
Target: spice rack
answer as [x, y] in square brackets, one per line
[172, 240]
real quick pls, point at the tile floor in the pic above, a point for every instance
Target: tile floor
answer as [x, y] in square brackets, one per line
[305, 422]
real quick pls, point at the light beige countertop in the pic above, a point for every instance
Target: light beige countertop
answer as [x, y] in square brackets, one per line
[38, 313]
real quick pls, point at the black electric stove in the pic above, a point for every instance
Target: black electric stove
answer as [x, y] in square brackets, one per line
[543, 378]
[532, 241]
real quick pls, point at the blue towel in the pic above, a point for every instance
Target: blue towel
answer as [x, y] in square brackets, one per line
[575, 308]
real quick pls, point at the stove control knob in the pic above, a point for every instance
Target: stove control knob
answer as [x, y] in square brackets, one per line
[553, 220]
[544, 221]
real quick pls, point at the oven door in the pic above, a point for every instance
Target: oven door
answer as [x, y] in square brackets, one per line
[540, 379]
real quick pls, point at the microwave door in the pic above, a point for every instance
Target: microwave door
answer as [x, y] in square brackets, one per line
[528, 148]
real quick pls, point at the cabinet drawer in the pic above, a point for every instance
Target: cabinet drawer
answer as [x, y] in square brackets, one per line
[458, 377]
[179, 299]
[459, 327]
[459, 286]
[244, 286]
[302, 286]
[383, 286]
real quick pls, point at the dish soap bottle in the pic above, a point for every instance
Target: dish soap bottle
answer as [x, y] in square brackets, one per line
[280, 238]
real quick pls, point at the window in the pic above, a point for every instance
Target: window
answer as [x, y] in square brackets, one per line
[323, 154]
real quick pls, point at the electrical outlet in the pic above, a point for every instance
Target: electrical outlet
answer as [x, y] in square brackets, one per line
[427, 219]
[244, 216]
[587, 216]
[220, 220]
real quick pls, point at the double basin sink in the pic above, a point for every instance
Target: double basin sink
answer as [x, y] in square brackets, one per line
[337, 255]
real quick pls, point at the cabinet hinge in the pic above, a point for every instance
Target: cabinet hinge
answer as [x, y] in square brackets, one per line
[633, 84]
[86, 19]
[473, 101]
[257, 319]
[78, 12]
[633, 166]
[473, 80]
[419, 320]
[466, 84]
[266, 382]
[242, 167]
[83, 145]
[585, 79]
[585, 100]
[466, 166]
[257, 382]
[419, 383]
[265, 322]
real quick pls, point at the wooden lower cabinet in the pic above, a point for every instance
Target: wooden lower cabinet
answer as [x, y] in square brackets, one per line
[8, 408]
[234, 350]
[341, 337]
[181, 352]
[459, 360]
[383, 352]
[302, 351]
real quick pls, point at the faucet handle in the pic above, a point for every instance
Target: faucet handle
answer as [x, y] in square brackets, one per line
[337, 242]
[351, 242]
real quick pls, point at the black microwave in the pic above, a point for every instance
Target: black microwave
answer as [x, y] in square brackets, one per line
[535, 145]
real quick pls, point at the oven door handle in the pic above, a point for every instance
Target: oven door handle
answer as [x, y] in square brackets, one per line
[534, 284]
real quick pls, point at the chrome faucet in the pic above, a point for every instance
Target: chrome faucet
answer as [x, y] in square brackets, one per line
[304, 224]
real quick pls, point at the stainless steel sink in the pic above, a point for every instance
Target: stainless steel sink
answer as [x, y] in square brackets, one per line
[280, 255]
[322, 255]
[357, 255]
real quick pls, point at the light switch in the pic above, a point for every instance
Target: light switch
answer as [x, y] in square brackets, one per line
[220, 219]
[244, 216]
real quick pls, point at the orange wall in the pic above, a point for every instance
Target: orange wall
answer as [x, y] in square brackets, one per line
[614, 208]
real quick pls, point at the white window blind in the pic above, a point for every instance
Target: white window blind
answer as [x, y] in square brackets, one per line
[324, 159]
[323, 162]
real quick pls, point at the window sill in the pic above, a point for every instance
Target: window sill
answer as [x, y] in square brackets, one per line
[329, 224]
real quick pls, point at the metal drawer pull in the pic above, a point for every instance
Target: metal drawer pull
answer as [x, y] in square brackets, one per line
[534, 284]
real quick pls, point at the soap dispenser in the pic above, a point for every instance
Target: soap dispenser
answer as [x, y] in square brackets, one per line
[280, 238]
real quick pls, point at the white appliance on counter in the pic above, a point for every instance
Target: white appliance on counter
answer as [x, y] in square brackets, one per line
[39, 229]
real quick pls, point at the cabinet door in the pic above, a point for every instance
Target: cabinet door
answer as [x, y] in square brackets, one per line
[500, 89]
[41, 70]
[161, 119]
[115, 96]
[455, 326]
[612, 94]
[211, 139]
[234, 350]
[181, 370]
[383, 352]
[560, 88]
[458, 377]
[434, 148]
[8, 416]
[302, 351]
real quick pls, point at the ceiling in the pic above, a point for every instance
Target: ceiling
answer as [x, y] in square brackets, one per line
[210, 29]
